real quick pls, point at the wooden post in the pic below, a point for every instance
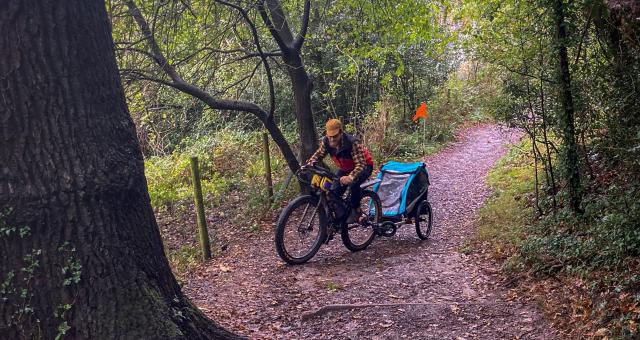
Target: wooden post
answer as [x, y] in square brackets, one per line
[267, 167]
[202, 223]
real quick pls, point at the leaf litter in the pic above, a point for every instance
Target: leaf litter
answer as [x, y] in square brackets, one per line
[403, 287]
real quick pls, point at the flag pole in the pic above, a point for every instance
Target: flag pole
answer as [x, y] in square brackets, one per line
[424, 134]
[421, 113]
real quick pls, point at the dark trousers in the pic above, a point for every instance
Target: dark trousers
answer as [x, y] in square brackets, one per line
[356, 191]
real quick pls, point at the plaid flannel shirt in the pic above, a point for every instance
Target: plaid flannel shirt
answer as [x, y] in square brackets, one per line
[357, 153]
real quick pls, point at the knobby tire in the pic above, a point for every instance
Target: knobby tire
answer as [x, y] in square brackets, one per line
[348, 240]
[286, 226]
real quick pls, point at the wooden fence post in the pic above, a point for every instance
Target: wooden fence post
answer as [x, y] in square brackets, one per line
[202, 223]
[267, 167]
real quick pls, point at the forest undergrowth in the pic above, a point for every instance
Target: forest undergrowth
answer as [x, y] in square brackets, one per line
[582, 270]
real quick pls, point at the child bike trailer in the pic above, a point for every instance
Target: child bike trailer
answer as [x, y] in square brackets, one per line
[403, 189]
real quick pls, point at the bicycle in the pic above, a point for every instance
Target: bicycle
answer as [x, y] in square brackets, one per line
[308, 221]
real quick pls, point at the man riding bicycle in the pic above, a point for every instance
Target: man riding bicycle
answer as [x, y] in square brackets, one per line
[353, 160]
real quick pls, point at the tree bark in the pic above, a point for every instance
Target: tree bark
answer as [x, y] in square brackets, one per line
[89, 257]
[534, 147]
[618, 27]
[572, 170]
[302, 87]
[551, 181]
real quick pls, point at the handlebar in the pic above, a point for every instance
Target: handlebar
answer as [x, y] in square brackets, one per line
[315, 169]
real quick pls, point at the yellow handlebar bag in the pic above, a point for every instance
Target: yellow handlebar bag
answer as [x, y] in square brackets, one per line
[321, 182]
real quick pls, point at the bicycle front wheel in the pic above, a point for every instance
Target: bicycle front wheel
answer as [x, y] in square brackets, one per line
[358, 236]
[300, 230]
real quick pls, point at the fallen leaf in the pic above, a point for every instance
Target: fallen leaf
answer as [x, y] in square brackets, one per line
[601, 332]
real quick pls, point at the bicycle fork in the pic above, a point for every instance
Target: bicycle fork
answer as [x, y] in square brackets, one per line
[330, 224]
[330, 230]
[309, 225]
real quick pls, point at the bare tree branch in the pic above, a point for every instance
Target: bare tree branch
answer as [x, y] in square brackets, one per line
[297, 44]
[155, 49]
[263, 56]
[137, 50]
[186, 5]
[582, 36]
[241, 80]
[130, 43]
[510, 69]
[275, 33]
[219, 104]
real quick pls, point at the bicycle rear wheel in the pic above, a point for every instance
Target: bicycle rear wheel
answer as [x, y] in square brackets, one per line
[300, 230]
[358, 236]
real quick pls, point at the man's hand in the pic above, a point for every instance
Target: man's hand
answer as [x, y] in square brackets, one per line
[346, 180]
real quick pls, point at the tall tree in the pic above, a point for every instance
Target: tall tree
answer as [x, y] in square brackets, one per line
[174, 79]
[568, 124]
[301, 84]
[618, 28]
[80, 251]
[249, 47]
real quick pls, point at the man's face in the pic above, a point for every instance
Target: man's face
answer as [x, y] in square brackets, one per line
[334, 141]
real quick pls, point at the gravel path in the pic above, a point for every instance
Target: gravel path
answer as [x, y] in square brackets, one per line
[420, 289]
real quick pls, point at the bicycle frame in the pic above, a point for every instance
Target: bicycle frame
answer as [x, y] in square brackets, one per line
[320, 206]
[324, 193]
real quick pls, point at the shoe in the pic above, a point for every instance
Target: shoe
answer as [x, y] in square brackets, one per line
[362, 220]
[354, 216]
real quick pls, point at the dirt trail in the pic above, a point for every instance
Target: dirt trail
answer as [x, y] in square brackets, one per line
[427, 289]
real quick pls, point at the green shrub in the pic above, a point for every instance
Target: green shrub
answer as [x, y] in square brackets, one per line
[229, 160]
[169, 179]
[505, 216]
[185, 258]
[600, 248]
[605, 236]
[386, 133]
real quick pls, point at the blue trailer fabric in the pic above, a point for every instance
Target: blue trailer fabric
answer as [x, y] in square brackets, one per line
[400, 184]
[402, 167]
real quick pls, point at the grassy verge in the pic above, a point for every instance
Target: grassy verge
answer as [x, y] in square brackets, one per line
[504, 218]
[584, 270]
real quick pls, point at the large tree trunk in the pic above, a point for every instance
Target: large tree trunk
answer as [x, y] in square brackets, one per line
[87, 252]
[302, 86]
[571, 149]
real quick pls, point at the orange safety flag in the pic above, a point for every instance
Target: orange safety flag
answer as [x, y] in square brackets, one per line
[421, 112]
